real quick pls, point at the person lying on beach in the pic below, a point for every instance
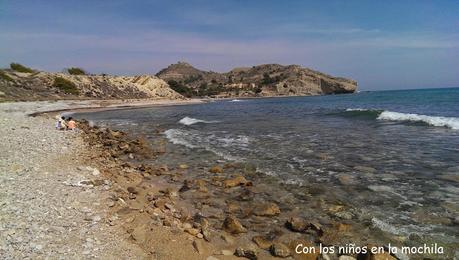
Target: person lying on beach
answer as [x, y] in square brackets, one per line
[71, 124]
[60, 124]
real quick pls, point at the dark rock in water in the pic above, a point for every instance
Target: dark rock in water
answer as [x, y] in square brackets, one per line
[187, 185]
[296, 224]
[245, 195]
[201, 186]
[456, 221]
[233, 207]
[345, 179]
[279, 250]
[267, 209]
[232, 225]
[247, 253]
[262, 242]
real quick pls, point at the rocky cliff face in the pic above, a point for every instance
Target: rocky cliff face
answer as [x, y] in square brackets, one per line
[42, 85]
[261, 80]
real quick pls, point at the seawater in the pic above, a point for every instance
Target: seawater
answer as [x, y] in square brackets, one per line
[392, 157]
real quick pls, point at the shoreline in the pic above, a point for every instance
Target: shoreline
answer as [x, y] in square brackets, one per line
[145, 200]
[103, 105]
[125, 155]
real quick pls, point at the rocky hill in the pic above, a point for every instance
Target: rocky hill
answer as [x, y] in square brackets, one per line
[261, 80]
[47, 86]
[183, 80]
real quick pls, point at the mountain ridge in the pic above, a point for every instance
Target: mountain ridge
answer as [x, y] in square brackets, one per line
[259, 80]
[177, 81]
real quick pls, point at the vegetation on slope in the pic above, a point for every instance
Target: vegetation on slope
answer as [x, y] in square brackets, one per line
[66, 86]
[20, 68]
[76, 71]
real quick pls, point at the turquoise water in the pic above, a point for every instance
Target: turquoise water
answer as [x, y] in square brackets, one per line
[392, 157]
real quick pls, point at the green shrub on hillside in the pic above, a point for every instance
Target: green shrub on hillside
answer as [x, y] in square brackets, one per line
[267, 80]
[5, 76]
[66, 86]
[76, 71]
[180, 88]
[20, 68]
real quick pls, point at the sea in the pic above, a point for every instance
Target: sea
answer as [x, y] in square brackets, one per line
[391, 158]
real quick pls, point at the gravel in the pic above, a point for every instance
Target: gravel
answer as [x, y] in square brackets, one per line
[47, 210]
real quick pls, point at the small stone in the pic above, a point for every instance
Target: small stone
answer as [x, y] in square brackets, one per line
[95, 172]
[236, 181]
[192, 231]
[183, 166]
[296, 224]
[262, 242]
[247, 253]
[216, 169]
[232, 225]
[267, 209]
[280, 250]
[132, 190]
[169, 206]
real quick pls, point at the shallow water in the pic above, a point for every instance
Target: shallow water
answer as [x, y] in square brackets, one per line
[392, 157]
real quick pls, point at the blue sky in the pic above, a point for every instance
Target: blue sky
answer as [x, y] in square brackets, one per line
[381, 44]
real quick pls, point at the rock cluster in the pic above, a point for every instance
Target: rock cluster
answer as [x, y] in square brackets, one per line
[164, 196]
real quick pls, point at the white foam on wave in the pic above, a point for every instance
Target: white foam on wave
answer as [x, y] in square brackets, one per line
[210, 143]
[191, 121]
[176, 137]
[450, 122]
[356, 109]
[235, 100]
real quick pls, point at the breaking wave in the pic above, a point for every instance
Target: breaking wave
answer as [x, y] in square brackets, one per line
[441, 121]
[191, 121]
[450, 122]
